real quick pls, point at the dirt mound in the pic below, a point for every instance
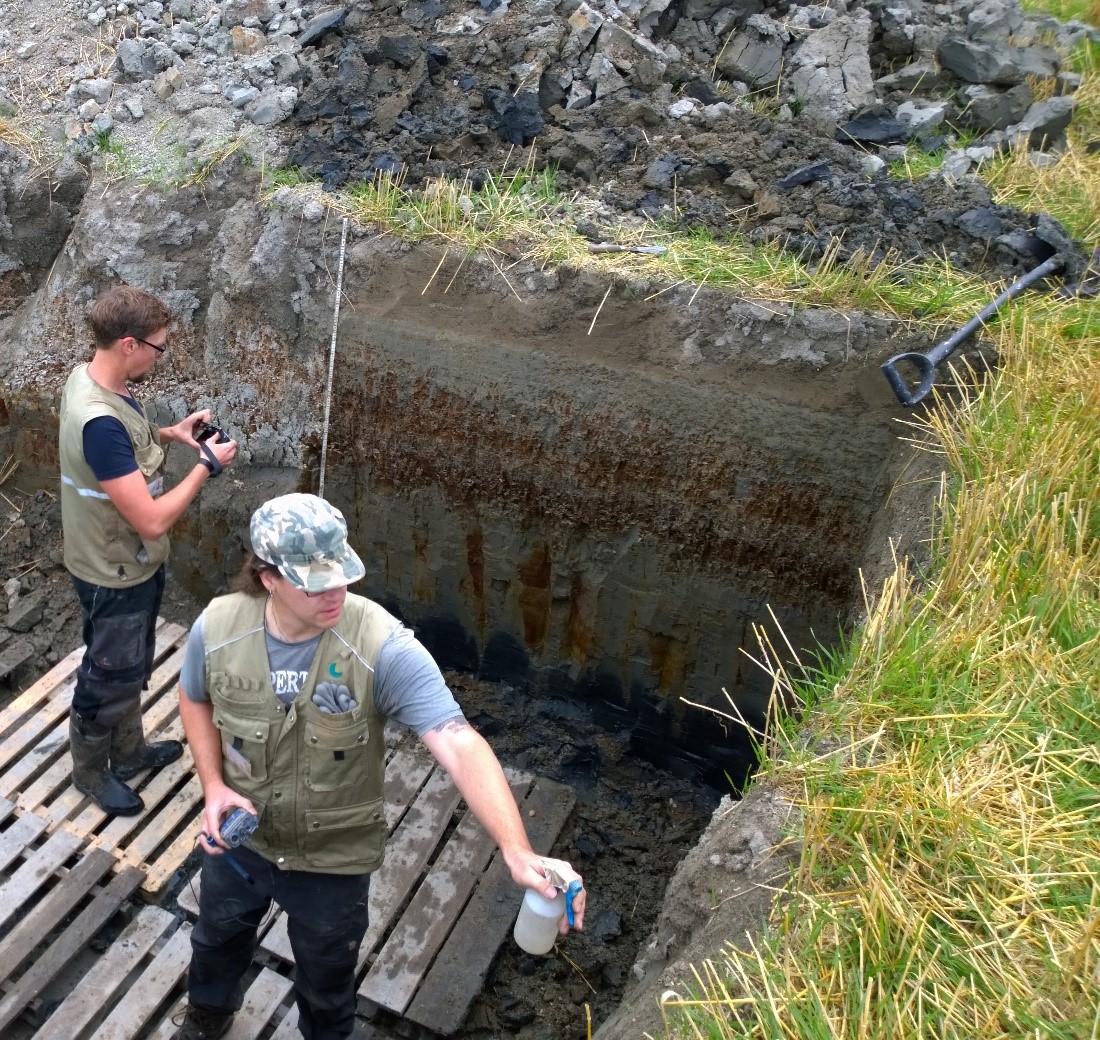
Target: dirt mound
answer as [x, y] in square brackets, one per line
[777, 122]
[640, 115]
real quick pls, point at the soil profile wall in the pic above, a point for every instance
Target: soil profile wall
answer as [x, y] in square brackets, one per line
[575, 478]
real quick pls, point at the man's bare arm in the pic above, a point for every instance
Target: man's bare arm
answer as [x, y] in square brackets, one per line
[477, 774]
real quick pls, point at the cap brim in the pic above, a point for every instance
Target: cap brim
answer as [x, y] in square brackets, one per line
[322, 575]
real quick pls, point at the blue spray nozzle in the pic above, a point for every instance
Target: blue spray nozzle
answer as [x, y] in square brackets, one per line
[570, 892]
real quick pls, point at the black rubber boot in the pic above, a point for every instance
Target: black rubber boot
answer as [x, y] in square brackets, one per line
[91, 750]
[130, 754]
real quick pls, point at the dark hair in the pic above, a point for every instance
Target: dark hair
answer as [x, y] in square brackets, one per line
[125, 311]
[248, 578]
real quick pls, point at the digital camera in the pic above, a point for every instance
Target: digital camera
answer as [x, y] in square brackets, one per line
[206, 431]
[239, 825]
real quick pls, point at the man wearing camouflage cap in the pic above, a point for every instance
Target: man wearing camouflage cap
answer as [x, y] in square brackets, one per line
[284, 693]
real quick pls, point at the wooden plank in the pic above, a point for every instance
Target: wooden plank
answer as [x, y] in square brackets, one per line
[456, 977]
[25, 937]
[262, 999]
[35, 872]
[425, 923]
[18, 836]
[36, 744]
[288, 1027]
[406, 772]
[173, 857]
[28, 701]
[261, 1006]
[408, 851]
[100, 986]
[131, 1016]
[57, 778]
[183, 807]
[76, 936]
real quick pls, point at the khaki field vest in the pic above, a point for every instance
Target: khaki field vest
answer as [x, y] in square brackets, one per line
[316, 780]
[100, 546]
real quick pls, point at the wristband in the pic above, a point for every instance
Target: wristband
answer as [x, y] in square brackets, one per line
[210, 462]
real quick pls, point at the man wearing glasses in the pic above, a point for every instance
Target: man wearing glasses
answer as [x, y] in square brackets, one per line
[116, 513]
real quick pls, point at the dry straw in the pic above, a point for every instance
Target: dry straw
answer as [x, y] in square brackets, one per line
[950, 885]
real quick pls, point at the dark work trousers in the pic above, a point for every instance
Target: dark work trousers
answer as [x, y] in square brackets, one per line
[120, 643]
[326, 922]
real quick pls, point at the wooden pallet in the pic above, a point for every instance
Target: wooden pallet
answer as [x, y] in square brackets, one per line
[442, 903]
[36, 769]
[54, 898]
[137, 989]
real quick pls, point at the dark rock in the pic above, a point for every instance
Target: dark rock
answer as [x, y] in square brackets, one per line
[931, 142]
[980, 223]
[987, 108]
[805, 175]
[388, 165]
[551, 92]
[872, 129]
[419, 15]
[649, 205]
[401, 50]
[359, 116]
[661, 172]
[702, 91]
[978, 62]
[519, 118]
[438, 58]
[604, 924]
[1029, 247]
[918, 79]
[316, 27]
[1044, 125]
[25, 614]
[1057, 237]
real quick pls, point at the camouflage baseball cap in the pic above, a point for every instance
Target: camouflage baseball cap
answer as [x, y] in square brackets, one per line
[307, 539]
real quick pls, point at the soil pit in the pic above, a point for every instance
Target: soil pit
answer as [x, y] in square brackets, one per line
[587, 497]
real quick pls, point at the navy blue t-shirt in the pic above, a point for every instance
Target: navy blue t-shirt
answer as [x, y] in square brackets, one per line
[107, 446]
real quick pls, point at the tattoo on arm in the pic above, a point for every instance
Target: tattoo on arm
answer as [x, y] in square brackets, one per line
[451, 726]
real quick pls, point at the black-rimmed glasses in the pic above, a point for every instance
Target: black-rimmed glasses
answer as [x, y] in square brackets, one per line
[160, 348]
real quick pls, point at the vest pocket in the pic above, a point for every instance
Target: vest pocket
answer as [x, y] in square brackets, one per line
[338, 838]
[336, 756]
[244, 746]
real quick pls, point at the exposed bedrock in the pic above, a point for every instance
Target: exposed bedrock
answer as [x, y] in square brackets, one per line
[597, 492]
